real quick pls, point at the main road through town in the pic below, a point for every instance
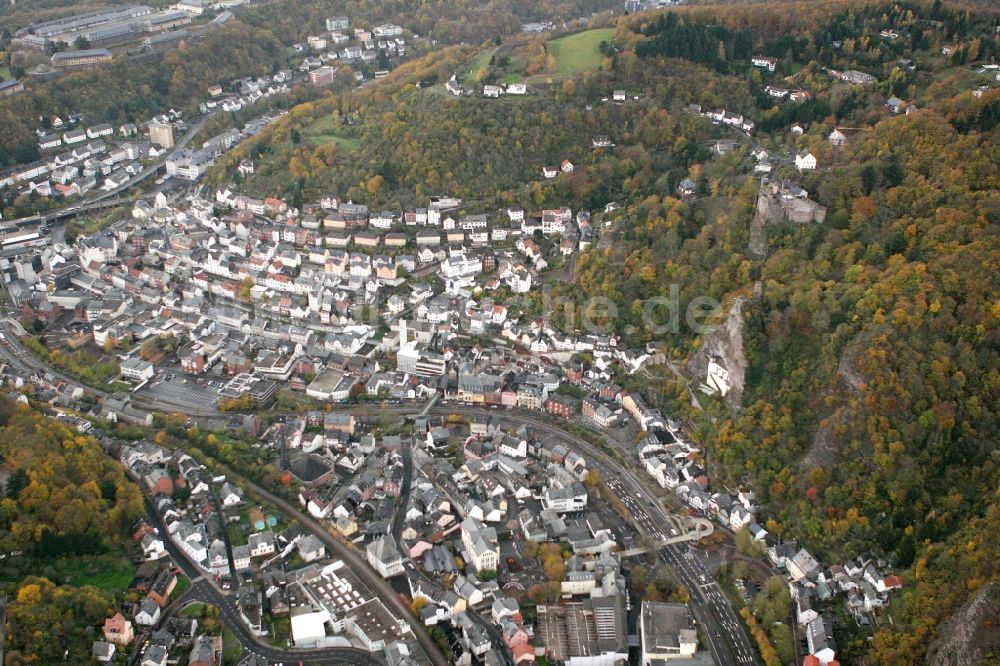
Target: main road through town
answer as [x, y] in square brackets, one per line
[204, 590]
[354, 562]
[727, 639]
[107, 197]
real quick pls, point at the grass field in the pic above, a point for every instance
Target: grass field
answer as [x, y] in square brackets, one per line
[281, 631]
[323, 131]
[194, 610]
[483, 61]
[231, 648]
[110, 574]
[183, 584]
[580, 52]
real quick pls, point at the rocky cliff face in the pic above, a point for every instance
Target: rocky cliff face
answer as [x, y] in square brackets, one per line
[971, 636]
[724, 343]
[757, 246]
[825, 445]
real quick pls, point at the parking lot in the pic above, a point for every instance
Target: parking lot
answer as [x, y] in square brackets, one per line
[179, 391]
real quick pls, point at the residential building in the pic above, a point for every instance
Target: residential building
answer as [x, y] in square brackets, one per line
[149, 613]
[118, 630]
[801, 565]
[819, 642]
[339, 422]
[859, 78]
[161, 134]
[137, 369]
[311, 548]
[764, 62]
[565, 500]
[480, 544]
[262, 544]
[419, 362]
[10, 87]
[103, 651]
[203, 652]
[190, 165]
[323, 76]
[805, 161]
[335, 23]
[155, 655]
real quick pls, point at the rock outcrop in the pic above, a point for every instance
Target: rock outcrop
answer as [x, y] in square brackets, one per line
[971, 636]
[724, 344]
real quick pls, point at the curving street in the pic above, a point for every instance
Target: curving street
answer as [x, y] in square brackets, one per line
[727, 638]
[204, 590]
[359, 567]
[108, 198]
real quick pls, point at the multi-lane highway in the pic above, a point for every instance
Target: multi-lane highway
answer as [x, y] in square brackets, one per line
[637, 512]
[728, 641]
[676, 530]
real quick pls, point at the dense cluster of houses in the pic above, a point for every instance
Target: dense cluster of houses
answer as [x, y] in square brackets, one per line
[859, 584]
[195, 518]
[478, 494]
[265, 294]
[451, 534]
[100, 158]
[340, 43]
[281, 573]
[165, 639]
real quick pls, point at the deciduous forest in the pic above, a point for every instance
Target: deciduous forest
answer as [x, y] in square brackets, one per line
[65, 500]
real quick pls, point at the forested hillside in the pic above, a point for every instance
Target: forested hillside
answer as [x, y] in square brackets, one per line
[407, 143]
[253, 45]
[65, 505]
[447, 21]
[869, 413]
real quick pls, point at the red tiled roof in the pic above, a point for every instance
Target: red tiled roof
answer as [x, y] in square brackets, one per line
[524, 652]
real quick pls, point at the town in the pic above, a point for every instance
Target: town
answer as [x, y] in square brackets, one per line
[210, 305]
[371, 428]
